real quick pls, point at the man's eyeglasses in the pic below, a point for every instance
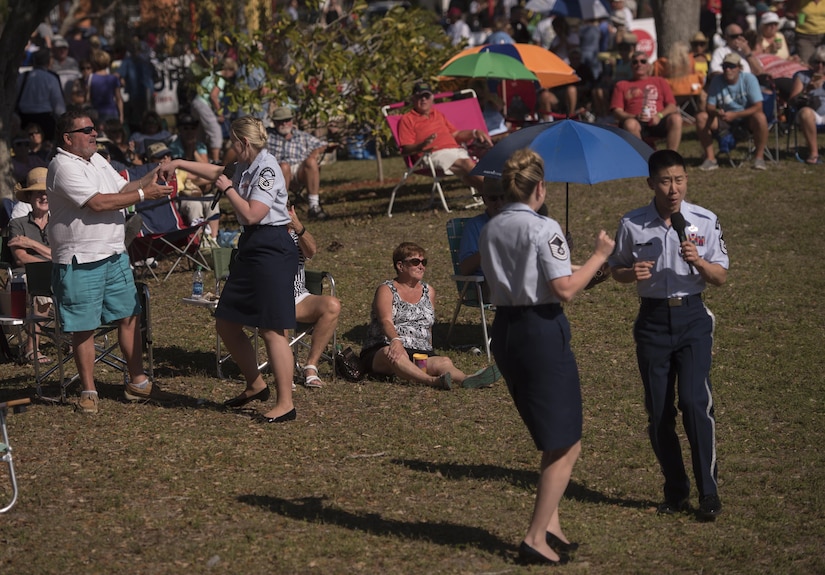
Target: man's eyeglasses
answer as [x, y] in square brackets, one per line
[424, 96]
[87, 130]
[635, 62]
[735, 36]
[416, 262]
[817, 62]
[729, 66]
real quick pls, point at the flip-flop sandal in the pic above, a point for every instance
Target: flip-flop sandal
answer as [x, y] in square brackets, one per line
[813, 161]
[42, 359]
[312, 381]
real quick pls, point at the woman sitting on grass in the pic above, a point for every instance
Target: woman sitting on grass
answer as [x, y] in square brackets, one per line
[403, 314]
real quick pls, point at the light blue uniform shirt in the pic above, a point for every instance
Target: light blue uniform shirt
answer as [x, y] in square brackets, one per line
[643, 236]
[264, 181]
[521, 252]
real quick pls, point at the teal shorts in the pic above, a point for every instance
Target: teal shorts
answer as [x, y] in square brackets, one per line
[89, 295]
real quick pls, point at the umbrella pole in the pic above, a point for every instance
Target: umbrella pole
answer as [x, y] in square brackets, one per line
[567, 235]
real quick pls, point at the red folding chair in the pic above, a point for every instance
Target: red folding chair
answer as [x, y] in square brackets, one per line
[462, 109]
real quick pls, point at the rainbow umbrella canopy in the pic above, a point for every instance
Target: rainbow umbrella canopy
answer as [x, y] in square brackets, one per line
[488, 65]
[550, 70]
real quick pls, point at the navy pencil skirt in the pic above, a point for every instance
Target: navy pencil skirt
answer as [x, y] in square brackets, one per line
[259, 290]
[531, 345]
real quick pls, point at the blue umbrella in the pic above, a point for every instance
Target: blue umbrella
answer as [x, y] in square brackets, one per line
[573, 152]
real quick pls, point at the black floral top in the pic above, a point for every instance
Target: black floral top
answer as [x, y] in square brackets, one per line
[413, 321]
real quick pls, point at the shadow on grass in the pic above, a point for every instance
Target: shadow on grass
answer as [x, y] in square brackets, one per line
[314, 510]
[522, 479]
[175, 361]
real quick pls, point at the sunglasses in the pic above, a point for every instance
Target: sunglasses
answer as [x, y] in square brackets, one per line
[817, 62]
[638, 62]
[424, 96]
[416, 262]
[87, 130]
[729, 66]
[735, 36]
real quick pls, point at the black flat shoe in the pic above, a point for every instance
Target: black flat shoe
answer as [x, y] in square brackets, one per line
[560, 546]
[288, 416]
[242, 400]
[529, 556]
[709, 507]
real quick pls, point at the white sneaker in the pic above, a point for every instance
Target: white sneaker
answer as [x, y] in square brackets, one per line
[709, 165]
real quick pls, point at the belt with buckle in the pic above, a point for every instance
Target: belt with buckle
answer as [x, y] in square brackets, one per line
[677, 301]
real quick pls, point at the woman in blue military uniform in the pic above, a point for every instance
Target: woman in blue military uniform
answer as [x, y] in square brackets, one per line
[526, 261]
[671, 250]
[259, 291]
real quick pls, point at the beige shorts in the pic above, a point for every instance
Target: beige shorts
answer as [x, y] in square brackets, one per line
[444, 159]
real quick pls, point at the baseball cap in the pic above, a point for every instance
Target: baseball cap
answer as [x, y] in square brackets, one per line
[769, 18]
[421, 88]
[157, 150]
[732, 58]
[59, 42]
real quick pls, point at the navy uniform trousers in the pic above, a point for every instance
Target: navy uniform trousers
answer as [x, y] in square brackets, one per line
[673, 346]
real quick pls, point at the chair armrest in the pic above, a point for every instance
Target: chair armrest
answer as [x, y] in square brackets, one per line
[476, 279]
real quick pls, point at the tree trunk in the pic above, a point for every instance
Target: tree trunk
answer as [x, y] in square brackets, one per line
[21, 19]
[676, 21]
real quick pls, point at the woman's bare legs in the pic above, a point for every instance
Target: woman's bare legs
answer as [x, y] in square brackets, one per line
[556, 469]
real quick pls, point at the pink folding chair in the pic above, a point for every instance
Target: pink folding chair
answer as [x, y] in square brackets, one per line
[463, 110]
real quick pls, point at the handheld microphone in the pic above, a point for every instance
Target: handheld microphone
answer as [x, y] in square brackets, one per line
[677, 220]
[228, 171]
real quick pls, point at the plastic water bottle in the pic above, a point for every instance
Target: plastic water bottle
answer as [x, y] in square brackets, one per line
[197, 284]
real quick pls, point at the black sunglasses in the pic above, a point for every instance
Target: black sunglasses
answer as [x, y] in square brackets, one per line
[638, 61]
[416, 261]
[734, 36]
[817, 62]
[87, 130]
[728, 66]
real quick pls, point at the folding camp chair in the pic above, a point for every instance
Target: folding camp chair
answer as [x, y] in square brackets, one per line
[11, 326]
[314, 281]
[463, 111]
[687, 90]
[742, 133]
[38, 279]
[163, 234]
[221, 260]
[470, 288]
[18, 406]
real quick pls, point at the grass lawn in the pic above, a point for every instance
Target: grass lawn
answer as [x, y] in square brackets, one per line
[389, 478]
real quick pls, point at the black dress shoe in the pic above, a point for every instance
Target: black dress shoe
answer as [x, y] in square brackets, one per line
[288, 416]
[710, 507]
[529, 556]
[560, 546]
[242, 400]
[673, 507]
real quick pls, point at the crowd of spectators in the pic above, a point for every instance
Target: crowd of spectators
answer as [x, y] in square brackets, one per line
[133, 95]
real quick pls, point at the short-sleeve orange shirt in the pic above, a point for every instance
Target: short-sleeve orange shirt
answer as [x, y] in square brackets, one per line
[415, 127]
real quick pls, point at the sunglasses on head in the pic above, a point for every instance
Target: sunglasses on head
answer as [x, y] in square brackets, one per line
[416, 262]
[87, 130]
